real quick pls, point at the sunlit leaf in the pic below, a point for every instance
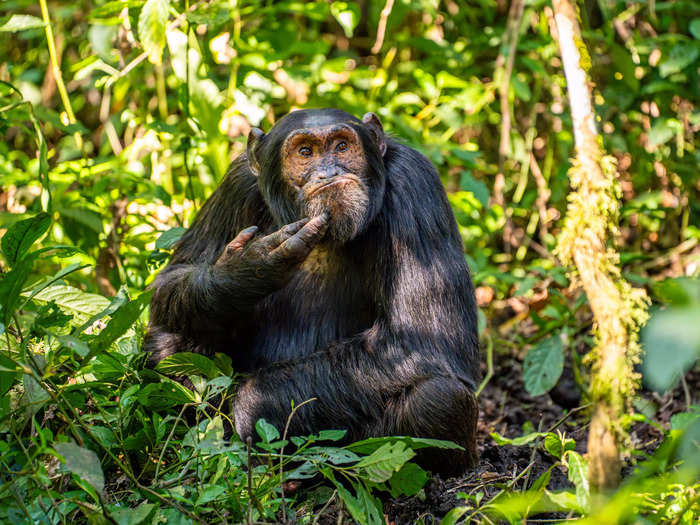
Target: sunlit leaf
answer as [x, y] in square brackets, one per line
[152, 23]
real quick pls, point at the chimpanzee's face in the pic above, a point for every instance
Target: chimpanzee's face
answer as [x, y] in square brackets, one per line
[328, 167]
[322, 161]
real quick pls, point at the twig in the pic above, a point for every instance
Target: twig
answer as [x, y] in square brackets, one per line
[504, 63]
[177, 22]
[248, 443]
[284, 436]
[58, 77]
[323, 509]
[381, 26]
[489, 365]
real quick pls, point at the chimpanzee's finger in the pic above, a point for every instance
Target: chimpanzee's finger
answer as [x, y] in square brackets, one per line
[237, 244]
[272, 241]
[299, 245]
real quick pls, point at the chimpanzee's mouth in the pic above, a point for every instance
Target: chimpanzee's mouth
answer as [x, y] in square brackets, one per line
[335, 181]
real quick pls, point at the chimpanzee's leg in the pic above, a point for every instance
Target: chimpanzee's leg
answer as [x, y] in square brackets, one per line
[442, 408]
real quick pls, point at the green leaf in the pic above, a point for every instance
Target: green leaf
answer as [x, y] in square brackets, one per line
[477, 187]
[20, 23]
[453, 516]
[671, 340]
[367, 446]
[166, 239]
[11, 284]
[518, 441]
[543, 366]
[121, 321]
[188, 363]
[578, 475]
[557, 444]
[266, 431]
[168, 393]
[660, 133]
[153, 21]
[521, 89]
[408, 481]
[56, 277]
[135, 516]
[383, 462]
[210, 494]
[81, 305]
[21, 235]
[694, 28]
[680, 56]
[77, 345]
[347, 14]
[82, 462]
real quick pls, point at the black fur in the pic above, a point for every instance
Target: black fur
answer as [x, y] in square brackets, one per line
[381, 330]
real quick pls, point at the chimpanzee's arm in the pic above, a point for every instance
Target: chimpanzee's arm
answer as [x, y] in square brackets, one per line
[415, 370]
[192, 299]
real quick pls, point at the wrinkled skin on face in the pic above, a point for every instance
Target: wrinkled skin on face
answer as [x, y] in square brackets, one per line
[327, 166]
[328, 163]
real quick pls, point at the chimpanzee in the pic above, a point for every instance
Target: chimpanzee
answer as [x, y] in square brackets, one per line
[328, 265]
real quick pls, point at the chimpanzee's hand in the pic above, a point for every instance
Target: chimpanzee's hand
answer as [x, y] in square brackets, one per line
[269, 262]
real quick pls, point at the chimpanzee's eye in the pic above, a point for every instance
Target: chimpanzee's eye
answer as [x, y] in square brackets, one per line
[342, 146]
[305, 151]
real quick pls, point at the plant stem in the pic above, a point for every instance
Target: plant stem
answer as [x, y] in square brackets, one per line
[56, 69]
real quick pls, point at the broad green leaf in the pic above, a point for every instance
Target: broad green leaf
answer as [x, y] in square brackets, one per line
[694, 28]
[21, 235]
[11, 284]
[188, 363]
[543, 366]
[167, 239]
[121, 321]
[659, 133]
[79, 346]
[82, 305]
[477, 187]
[82, 462]
[518, 441]
[557, 444]
[454, 515]
[671, 340]
[168, 393]
[578, 475]
[266, 431]
[210, 494]
[383, 462]
[347, 14]
[20, 23]
[331, 435]
[56, 277]
[153, 21]
[681, 55]
[408, 481]
[367, 446]
[135, 516]
[117, 302]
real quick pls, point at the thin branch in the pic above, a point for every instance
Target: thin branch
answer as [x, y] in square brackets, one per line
[381, 26]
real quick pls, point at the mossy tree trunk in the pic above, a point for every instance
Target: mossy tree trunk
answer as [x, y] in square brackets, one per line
[591, 222]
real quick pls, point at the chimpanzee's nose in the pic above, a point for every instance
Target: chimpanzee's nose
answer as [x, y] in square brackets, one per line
[327, 172]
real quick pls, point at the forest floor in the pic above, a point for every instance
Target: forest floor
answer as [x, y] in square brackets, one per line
[507, 409]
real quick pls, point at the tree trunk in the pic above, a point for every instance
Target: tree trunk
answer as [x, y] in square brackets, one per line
[591, 220]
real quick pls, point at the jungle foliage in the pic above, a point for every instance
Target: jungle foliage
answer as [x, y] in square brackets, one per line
[119, 117]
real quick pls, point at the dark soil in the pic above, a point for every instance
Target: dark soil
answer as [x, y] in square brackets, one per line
[507, 409]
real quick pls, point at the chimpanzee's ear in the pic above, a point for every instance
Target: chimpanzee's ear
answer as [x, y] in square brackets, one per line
[375, 126]
[254, 138]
